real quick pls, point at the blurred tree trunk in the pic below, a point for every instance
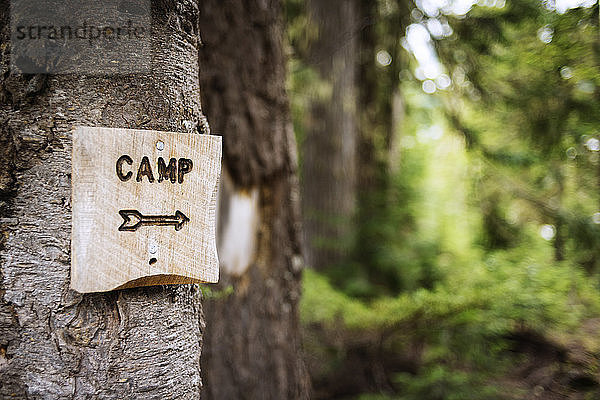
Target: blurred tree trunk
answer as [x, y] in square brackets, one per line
[559, 220]
[141, 343]
[379, 94]
[252, 338]
[372, 119]
[381, 116]
[329, 145]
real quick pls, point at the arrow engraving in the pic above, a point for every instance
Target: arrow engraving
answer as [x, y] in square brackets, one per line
[133, 219]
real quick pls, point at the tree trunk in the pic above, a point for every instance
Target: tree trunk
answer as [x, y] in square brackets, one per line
[55, 343]
[329, 147]
[382, 111]
[252, 339]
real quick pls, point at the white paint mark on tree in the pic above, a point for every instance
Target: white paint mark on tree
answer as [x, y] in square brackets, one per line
[240, 223]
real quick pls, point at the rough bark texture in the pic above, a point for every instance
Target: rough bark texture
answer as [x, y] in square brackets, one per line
[329, 148]
[252, 344]
[55, 343]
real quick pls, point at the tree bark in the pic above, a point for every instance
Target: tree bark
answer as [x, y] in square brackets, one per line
[252, 339]
[329, 148]
[55, 343]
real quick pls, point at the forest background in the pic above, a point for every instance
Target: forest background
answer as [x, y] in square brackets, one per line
[450, 174]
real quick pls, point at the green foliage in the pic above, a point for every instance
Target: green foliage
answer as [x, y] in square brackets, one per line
[507, 292]
[452, 270]
[209, 293]
[398, 260]
[527, 105]
[441, 383]
[464, 323]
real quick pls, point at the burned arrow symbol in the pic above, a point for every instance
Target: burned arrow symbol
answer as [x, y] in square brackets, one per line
[133, 219]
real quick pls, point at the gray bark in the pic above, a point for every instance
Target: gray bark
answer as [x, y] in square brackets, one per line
[329, 148]
[252, 342]
[55, 343]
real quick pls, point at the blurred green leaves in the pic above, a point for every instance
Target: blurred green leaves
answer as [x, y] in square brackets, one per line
[456, 275]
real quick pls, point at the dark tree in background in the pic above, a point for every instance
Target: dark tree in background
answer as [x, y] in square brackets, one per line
[348, 130]
[330, 134]
[252, 338]
[381, 111]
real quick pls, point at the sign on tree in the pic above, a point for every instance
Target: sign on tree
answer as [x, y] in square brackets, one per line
[144, 206]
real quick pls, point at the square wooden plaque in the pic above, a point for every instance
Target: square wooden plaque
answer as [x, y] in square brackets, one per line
[144, 205]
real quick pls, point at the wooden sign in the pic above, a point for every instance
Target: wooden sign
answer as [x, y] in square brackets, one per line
[144, 206]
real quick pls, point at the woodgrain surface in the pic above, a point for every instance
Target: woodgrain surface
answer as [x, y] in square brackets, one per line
[105, 258]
